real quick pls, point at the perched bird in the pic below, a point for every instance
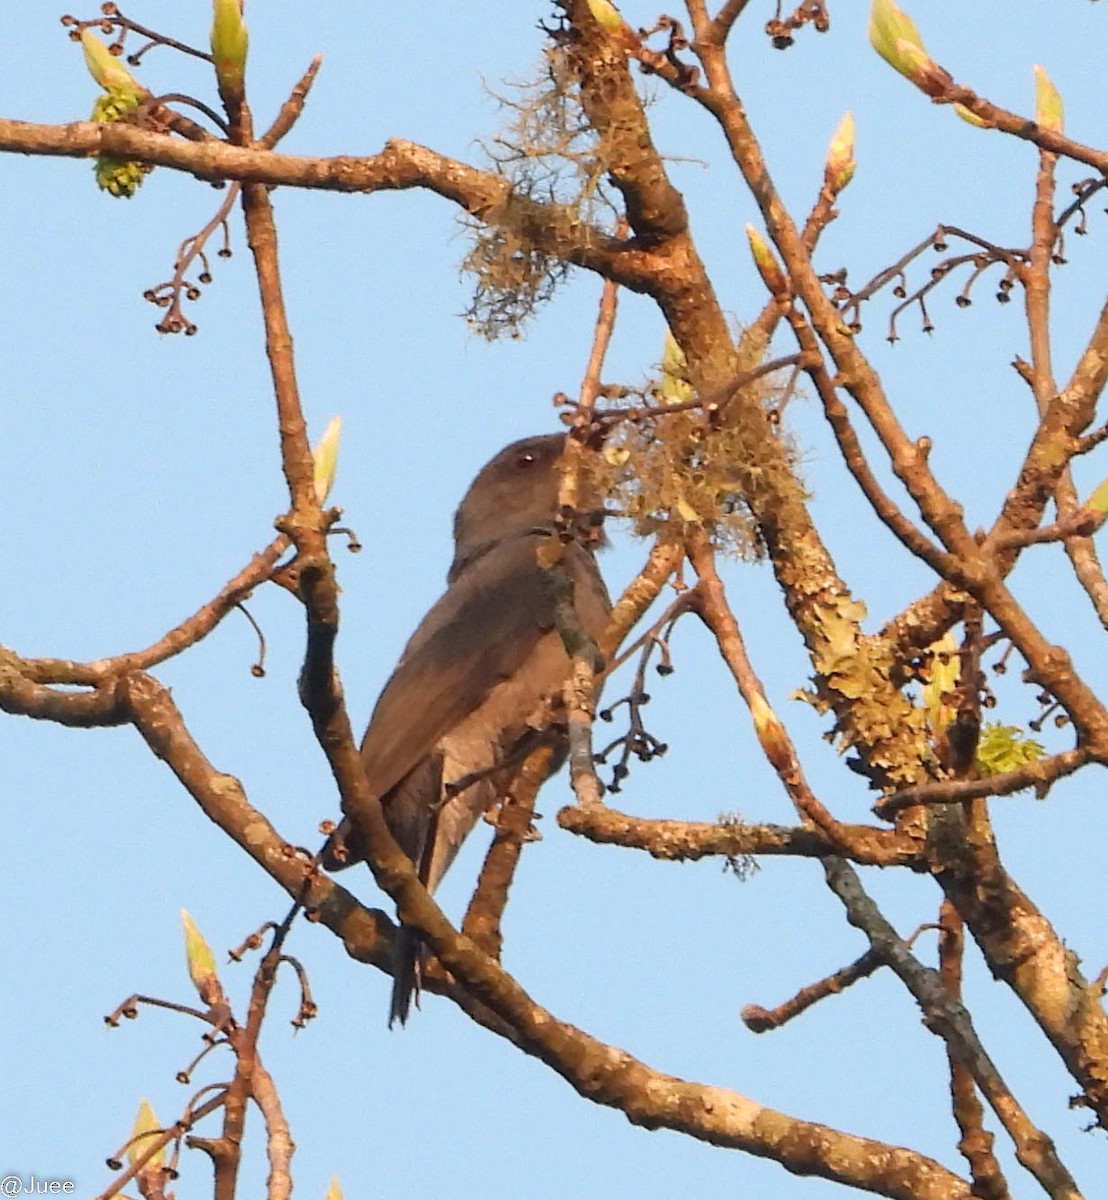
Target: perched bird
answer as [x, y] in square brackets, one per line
[475, 674]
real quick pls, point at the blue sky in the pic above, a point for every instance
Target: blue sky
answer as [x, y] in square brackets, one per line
[140, 472]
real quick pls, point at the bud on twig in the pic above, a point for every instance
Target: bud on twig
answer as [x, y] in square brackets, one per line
[610, 19]
[772, 275]
[230, 42]
[120, 177]
[890, 29]
[1097, 505]
[325, 457]
[970, 117]
[943, 674]
[675, 387]
[839, 168]
[201, 962]
[107, 70]
[893, 34]
[771, 733]
[146, 1126]
[1098, 501]
[606, 15]
[1050, 112]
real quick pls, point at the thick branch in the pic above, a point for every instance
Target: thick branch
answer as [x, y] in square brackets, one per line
[1024, 950]
[21, 696]
[555, 229]
[687, 841]
[147, 705]
[655, 209]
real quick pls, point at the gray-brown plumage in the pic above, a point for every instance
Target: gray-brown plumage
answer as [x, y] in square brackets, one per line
[475, 674]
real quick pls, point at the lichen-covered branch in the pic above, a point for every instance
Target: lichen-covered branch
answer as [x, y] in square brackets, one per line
[774, 739]
[555, 229]
[688, 841]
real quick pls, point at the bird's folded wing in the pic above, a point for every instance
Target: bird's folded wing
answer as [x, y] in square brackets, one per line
[477, 634]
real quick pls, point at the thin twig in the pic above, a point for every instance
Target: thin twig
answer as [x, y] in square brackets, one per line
[909, 534]
[158, 1143]
[776, 744]
[584, 655]
[1040, 774]
[761, 1020]
[292, 108]
[1045, 231]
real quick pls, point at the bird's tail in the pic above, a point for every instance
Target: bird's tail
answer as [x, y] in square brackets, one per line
[407, 962]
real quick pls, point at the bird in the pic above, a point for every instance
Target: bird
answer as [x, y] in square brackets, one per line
[472, 680]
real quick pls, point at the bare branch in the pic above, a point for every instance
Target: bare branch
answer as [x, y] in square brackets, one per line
[513, 829]
[946, 1017]
[190, 631]
[761, 1020]
[976, 1143]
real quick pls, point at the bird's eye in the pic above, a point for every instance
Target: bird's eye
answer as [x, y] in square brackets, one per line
[526, 459]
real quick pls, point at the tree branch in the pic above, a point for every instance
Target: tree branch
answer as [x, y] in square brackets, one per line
[946, 1017]
[688, 841]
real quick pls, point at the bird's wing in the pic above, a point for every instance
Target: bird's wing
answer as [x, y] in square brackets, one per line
[477, 634]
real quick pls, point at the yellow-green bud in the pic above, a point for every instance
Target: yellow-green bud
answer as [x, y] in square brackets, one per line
[771, 273]
[917, 65]
[1097, 504]
[970, 117]
[230, 42]
[890, 30]
[201, 961]
[106, 69]
[606, 15]
[893, 34]
[1050, 112]
[943, 674]
[120, 177]
[675, 387]
[325, 458]
[146, 1123]
[839, 168]
[112, 106]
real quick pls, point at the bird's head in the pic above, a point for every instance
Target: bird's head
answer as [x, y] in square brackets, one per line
[514, 494]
